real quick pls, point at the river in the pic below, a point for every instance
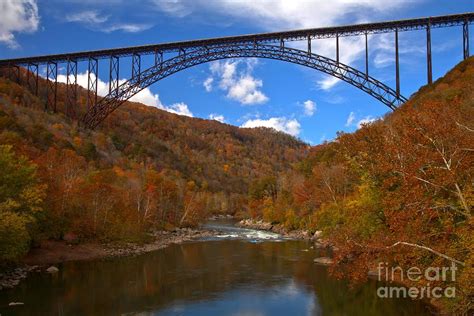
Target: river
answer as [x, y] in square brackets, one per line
[239, 272]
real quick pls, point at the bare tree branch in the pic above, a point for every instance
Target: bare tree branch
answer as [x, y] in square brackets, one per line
[428, 249]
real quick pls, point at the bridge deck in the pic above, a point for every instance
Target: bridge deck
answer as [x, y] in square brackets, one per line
[294, 35]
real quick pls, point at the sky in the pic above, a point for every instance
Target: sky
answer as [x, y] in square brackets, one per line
[243, 92]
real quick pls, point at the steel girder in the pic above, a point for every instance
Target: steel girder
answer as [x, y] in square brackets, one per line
[51, 85]
[32, 69]
[71, 88]
[114, 71]
[126, 90]
[92, 79]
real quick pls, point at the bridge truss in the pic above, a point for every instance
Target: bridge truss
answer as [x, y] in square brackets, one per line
[182, 55]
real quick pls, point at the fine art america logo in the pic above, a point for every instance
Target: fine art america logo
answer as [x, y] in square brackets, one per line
[415, 274]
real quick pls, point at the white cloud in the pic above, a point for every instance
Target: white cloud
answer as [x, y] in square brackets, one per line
[284, 15]
[353, 121]
[327, 82]
[239, 84]
[146, 96]
[350, 119]
[309, 107]
[180, 108]
[217, 117]
[88, 17]
[245, 90]
[282, 124]
[174, 7]
[97, 22]
[208, 84]
[17, 16]
[366, 120]
[126, 27]
[384, 48]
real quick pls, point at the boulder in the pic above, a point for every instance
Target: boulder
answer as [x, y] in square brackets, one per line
[52, 269]
[317, 234]
[15, 303]
[323, 261]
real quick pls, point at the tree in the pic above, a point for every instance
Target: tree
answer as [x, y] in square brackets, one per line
[21, 199]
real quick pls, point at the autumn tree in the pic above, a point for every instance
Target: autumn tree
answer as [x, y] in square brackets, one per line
[21, 201]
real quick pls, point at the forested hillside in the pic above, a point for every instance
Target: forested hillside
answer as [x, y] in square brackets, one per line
[399, 190]
[142, 168]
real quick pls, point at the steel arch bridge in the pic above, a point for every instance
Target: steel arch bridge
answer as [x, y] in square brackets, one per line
[125, 91]
[191, 53]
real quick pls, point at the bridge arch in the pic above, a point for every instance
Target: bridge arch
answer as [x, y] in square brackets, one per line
[187, 59]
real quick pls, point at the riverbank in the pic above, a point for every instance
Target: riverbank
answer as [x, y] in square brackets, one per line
[52, 252]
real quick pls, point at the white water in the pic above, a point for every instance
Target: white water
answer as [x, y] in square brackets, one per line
[225, 231]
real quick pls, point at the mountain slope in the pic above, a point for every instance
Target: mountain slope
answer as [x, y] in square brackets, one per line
[398, 191]
[142, 167]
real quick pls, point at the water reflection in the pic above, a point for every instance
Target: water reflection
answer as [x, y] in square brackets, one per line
[226, 277]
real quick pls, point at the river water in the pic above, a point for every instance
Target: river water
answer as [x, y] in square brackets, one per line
[240, 272]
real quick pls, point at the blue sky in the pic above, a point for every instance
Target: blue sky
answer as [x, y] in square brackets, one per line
[251, 92]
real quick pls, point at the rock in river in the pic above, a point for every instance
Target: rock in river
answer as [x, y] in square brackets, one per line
[323, 261]
[52, 269]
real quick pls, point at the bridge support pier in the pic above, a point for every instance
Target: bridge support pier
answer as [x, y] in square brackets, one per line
[114, 73]
[366, 56]
[136, 66]
[428, 54]
[465, 39]
[158, 58]
[52, 85]
[337, 48]
[92, 75]
[71, 88]
[309, 45]
[13, 73]
[32, 69]
[397, 64]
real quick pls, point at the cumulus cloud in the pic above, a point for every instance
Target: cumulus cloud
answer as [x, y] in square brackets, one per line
[180, 108]
[18, 16]
[366, 120]
[282, 124]
[284, 14]
[146, 96]
[236, 79]
[217, 117]
[309, 107]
